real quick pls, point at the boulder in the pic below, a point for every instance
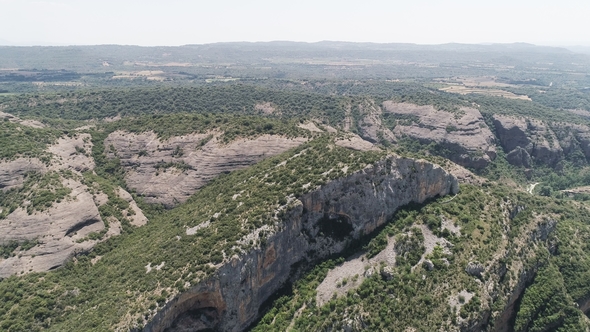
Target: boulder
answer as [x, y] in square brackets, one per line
[474, 269]
[387, 273]
[428, 265]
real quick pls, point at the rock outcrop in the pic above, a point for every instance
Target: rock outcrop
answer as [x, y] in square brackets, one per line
[169, 171]
[354, 142]
[527, 140]
[12, 173]
[324, 222]
[474, 269]
[464, 135]
[370, 124]
[56, 231]
[73, 153]
[573, 136]
[15, 119]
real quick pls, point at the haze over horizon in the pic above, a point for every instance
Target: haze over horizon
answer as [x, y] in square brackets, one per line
[181, 22]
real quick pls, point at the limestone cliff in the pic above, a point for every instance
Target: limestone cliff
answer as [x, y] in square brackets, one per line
[320, 223]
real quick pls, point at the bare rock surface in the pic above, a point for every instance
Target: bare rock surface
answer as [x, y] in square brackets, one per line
[134, 213]
[72, 153]
[463, 175]
[371, 126]
[571, 136]
[310, 126]
[527, 140]
[12, 172]
[465, 135]
[355, 142]
[67, 154]
[15, 119]
[56, 229]
[169, 171]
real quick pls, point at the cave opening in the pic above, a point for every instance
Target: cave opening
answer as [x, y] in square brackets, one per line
[196, 320]
[336, 226]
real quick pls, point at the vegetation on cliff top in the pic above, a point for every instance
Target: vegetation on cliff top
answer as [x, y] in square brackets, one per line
[434, 298]
[235, 205]
[75, 296]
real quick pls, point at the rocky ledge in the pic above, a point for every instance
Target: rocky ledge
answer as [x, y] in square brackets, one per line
[321, 223]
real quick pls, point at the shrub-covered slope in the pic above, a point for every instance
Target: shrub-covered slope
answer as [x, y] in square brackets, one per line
[497, 256]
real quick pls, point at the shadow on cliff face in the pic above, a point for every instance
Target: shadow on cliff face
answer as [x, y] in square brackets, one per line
[202, 320]
[337, 226]
[328, 222]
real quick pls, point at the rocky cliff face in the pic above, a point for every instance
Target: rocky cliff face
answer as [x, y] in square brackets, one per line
[169, 171]
[527, 140]
[322, 223]
[464, 135]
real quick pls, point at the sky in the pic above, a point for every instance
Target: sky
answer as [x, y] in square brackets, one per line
[181, 22]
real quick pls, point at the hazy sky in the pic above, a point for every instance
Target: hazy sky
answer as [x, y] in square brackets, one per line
[179, 22]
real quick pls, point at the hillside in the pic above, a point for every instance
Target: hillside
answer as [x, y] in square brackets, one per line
[297, 205]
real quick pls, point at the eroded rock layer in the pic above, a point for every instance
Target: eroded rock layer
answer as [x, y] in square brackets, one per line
[464, 134]
[525, 140]
[57, 231]
[169, 171]
[323, 222]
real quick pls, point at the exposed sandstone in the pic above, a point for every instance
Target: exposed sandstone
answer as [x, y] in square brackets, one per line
[370, 125]
[72, 153]
[12, 172]
[519, 157]
[571, 136]
[15, 119]
[56, 229]
[324, 223]
[169, 171]
[463, 175]
[134, 213]
[67, 154]
[310, 126]
[465, 135]
[354, 142]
